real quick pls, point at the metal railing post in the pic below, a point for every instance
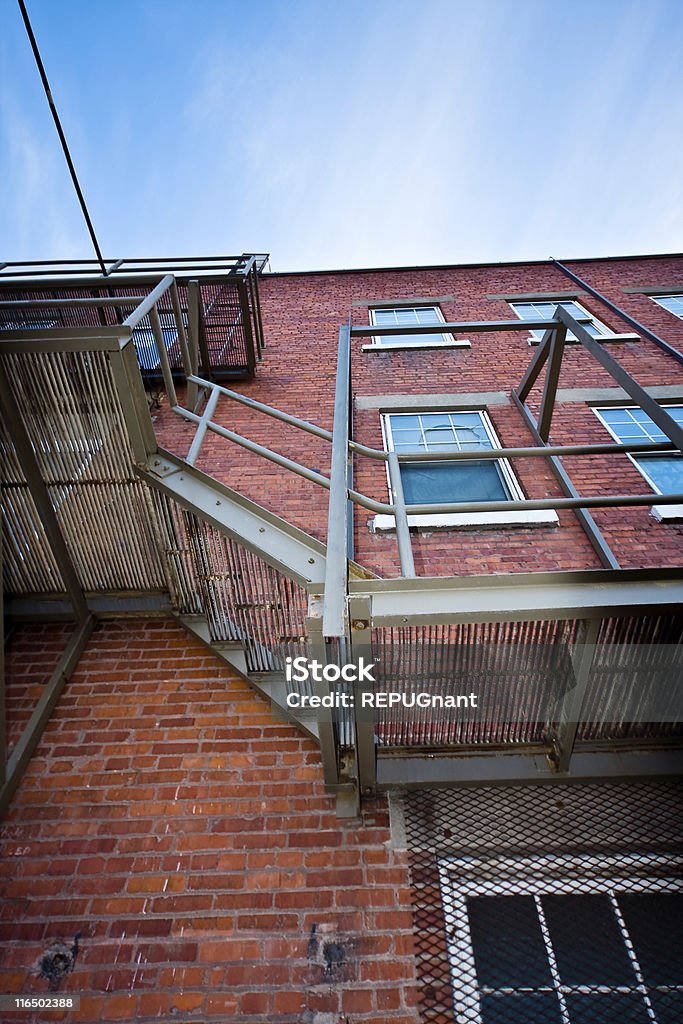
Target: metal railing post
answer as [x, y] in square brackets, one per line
[405, 547]
[163, 355]
[336, 577]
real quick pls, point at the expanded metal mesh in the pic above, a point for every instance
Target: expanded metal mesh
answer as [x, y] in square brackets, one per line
[548, 904]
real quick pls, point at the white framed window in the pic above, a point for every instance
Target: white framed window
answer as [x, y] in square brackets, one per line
[564, 939]
[407, 316]
[543, 310]
[662, 470]
[433, 483]
[673, 303]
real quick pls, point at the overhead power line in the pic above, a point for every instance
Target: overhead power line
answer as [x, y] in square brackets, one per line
[60, 132]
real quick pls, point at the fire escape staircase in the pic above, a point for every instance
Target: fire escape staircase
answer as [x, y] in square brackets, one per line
[81, 454]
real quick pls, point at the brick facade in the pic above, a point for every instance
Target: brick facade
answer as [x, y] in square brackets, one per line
[167, 818]
[185, 835]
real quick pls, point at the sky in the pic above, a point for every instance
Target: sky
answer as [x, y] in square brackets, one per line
[345, 134]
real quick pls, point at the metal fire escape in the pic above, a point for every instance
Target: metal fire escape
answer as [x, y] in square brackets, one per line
[100, 520]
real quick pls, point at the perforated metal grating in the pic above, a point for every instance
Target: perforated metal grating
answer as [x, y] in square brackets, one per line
[548, 904]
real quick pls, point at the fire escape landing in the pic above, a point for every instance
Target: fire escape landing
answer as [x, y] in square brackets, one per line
[580, 672]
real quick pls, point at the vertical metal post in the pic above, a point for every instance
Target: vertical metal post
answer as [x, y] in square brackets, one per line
[193, 340]
[182, 336]
[163, 355]
[336, 574]
[405, 547]
[329, 740]
[3, 723]
[570, 711]
[247, 333]
[41, 497]
[361, 641]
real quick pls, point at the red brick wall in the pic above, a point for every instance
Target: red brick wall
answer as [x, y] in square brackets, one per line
[302, 314]
[186, 834]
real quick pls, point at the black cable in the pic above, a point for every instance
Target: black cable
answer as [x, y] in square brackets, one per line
[62, 139]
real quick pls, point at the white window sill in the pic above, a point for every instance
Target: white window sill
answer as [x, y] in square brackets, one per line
[667, 513]
[604, 338]
[403, 347]
[543, 517]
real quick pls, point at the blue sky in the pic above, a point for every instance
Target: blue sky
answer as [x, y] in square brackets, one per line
[333, 134]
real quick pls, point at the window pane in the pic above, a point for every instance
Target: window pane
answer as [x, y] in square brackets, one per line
[665, 471]
[404, 422]
[607, 1008]
[432, 483]
[655, 924]
[508, 946]
[521, 1008]
[589, 947]
[668, 1006]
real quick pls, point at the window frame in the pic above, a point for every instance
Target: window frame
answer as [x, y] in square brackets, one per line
[538, 875]
[438, 520]
[399, 342]
[669, 295]
[603, 329]
[658, 511]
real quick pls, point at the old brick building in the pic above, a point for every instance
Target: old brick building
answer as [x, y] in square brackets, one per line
[178, 841]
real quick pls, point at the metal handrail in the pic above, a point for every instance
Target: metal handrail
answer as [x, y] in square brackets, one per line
[397, 507]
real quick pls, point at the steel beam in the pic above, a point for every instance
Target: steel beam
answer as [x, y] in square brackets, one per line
[101, 605]
[639, 395]
[361, 646]
[336, 577]
[463, 327]
[497, 767]
[552, 377]
[40, 495]
[570, 709]
[289, 550]
[584, 594]
[3, 720]
[536, 364]
[630, 320]
[590, 527]
[33, 729]
[327, 731]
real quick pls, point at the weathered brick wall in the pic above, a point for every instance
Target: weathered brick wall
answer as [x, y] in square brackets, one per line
[186, 835]
[302, 314]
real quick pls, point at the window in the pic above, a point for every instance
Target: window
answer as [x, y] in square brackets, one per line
[145, 342]
[545, 310]
[663, 471]
[565, 940]
[432, 483]
[405, 316]
[674, 304]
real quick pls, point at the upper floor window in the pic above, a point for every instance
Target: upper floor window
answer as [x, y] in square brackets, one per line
[545, 310]
[662, 470]
[450, 481]
[463, 480]
[408, 316]
[674, 304]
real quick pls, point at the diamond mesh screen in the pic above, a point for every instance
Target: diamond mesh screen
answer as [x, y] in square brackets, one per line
[535, 905]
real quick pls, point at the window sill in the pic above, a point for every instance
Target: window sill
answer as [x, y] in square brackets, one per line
[403, 347]
[543, 517]
[667, 513]
[606, 339]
